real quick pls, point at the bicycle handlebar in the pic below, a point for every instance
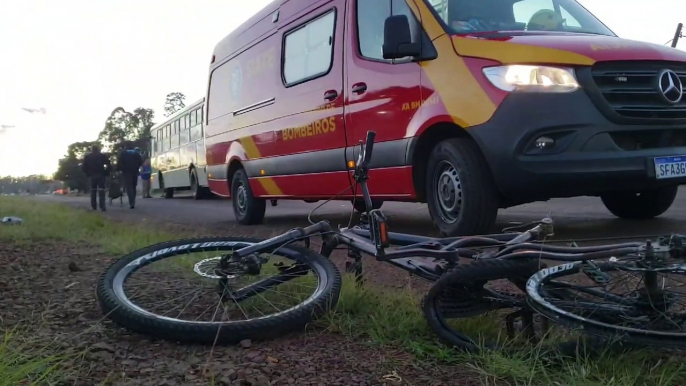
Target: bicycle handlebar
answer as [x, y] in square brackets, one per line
[369, 147]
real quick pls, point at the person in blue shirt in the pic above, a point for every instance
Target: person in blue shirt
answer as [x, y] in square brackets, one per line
[146, 171]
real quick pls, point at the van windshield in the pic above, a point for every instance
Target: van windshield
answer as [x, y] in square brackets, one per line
[479, 16]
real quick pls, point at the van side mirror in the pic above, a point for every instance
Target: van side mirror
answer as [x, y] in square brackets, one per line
[397, 39]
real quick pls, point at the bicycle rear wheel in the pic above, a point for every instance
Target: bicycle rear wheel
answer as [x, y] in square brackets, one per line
[632, 302]
[457, 305]
[174, 291]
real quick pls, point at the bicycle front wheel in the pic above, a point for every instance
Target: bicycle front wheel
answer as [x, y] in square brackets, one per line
[177, 290]
[634, 302]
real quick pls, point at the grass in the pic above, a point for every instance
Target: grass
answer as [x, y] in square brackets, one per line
[21, 363]
[387, 319]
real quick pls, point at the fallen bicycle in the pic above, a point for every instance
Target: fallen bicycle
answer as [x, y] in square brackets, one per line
[260, 289]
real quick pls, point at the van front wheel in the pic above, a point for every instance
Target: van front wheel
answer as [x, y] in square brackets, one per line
[248, 209]
[640, 205]
[461, 194]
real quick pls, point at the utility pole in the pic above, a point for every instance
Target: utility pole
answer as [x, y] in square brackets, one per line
[677, 35]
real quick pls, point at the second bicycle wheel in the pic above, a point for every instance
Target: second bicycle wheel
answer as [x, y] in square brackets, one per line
[640, 302]
[178, 291]
[475, 305]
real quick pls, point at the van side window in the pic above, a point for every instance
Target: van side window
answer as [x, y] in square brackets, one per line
[308, 51]
[371, 16]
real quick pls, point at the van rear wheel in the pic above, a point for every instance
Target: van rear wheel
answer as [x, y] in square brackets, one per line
[248, 209]
[640, 205]
[461, 194]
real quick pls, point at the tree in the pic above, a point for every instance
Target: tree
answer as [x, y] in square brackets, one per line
[119, 127]
[174, 103]
[123, 126]
[143, 122]
[69, 169]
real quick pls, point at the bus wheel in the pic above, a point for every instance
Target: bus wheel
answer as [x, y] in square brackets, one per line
[461, 194]
[169, 193]
[198, 192]
[248, 209]
[361, 207]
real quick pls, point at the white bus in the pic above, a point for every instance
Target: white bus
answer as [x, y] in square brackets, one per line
[178, 153]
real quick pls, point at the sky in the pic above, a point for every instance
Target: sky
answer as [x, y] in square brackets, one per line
[80, 59]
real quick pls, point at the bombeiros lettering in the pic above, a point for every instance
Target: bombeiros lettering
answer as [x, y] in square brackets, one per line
[318, 127]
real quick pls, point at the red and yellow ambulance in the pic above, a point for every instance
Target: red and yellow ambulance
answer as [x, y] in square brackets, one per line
[477, 105]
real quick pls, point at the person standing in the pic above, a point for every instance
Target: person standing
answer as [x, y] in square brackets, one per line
[129, 163]
[146, 172]
[96, 166]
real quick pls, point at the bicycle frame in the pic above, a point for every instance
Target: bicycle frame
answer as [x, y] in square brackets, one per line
[411, 252]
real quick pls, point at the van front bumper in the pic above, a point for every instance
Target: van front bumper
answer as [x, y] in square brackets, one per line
[591, 154]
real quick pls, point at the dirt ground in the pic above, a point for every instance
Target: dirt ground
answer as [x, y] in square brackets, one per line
[49, 289]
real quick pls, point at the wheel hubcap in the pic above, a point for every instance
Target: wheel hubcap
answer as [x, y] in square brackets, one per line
[448, 192]
[241, 198]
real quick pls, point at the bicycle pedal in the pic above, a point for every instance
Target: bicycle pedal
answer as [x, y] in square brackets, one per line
[379, 229]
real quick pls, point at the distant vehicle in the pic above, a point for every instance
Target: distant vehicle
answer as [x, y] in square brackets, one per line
[178, 153]
[478, 105]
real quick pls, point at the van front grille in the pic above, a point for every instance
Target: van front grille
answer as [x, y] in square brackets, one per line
[632, 89]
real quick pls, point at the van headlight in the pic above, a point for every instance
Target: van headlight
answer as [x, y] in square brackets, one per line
[532, 78]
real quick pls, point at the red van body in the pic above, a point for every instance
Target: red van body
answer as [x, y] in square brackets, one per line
[283, 120]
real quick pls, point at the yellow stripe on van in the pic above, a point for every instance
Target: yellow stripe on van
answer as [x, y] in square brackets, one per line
[462, 95]
[512, 53]
[253, 152]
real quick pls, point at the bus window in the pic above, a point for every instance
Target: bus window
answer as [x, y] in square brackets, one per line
[196, 133]
[168, 136]
[194, 118]
[175, 136]
[184, 122]
[185, 136]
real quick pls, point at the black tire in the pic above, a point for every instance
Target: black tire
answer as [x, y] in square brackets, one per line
[640, 205]
[169, 193]
[538, 299]
[196, 190]
[467, 276]
[248, 209]
[135, 319]
[458, 164]
[360, 206]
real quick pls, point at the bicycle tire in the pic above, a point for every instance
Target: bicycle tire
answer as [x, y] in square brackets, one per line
[599, 329]
[517, 271]
[141, 321]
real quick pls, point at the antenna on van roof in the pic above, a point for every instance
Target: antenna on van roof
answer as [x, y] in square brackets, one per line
[677, 35]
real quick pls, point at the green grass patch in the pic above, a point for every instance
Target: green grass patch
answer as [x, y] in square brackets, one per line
[378, 316]
[21, 363]
[50, 221]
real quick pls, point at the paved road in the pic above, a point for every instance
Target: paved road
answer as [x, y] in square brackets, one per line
[582, 217]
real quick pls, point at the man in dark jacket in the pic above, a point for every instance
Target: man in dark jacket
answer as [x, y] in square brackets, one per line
[129, 163]
[97, 167]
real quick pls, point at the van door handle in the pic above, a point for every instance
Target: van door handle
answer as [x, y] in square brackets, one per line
[330, 95]
[359, 88]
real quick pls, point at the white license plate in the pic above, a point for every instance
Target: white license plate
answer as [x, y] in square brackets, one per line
[670, 167]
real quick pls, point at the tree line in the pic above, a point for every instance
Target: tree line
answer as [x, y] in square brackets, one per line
[34, 184]
[121, 126]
